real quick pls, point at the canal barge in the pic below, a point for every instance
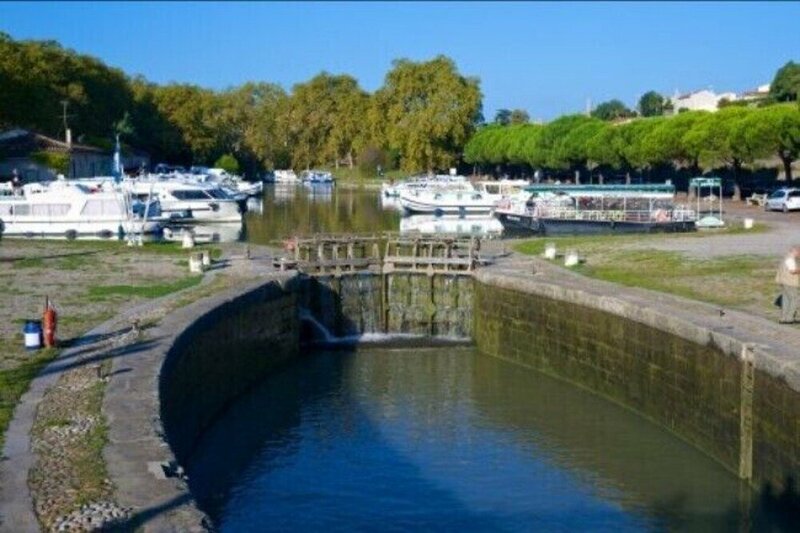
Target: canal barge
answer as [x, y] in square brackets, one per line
[595, 209]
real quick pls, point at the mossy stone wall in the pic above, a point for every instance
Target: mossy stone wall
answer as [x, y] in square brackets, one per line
[695, 390]
[222, 354]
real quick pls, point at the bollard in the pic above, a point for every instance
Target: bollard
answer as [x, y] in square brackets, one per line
[196, 263]
[748, 223]
[206, 258]
[550, 251]
[571, 259]
[188, 239]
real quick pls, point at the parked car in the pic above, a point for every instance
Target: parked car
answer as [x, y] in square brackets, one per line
[783, 200]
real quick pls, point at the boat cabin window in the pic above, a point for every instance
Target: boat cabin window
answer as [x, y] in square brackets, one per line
[49, 210]
[190, 194]
[21, 209]
[101, 208]
[5, 209]
[218, 194]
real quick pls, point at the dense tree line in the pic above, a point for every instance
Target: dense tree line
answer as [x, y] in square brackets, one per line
[731, 138]
[419, 119]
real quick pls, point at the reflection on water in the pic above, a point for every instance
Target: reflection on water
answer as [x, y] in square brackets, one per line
[302, 210]
[485, 226]
[447, 439]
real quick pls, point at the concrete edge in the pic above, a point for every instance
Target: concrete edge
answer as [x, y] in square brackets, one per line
[137, 443]
[661, 311]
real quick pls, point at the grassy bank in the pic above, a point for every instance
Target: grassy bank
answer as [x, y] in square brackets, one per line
[88, 282]
[742, 281]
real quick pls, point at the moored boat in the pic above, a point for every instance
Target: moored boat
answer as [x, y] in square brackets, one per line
[69, 210]
[595, 209]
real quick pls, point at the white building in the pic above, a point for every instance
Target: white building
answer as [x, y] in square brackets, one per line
[704, 100]
[759, 93]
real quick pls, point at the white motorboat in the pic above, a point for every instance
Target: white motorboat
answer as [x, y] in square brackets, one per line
[285, 176]
[485, 226]
[198, 202]
[501, 189]
[446, 202]
[417, 183]
[316, 176]
[72, 210]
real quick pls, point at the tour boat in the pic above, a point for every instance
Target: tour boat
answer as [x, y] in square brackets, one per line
[594, 209]
[484, 226]
[71, 210]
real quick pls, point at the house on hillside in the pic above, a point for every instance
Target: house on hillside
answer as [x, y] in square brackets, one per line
[36, 157]
[754, 95]
[704, 100]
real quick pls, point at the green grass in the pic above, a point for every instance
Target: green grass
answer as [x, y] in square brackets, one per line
[743, 281]
[14, 382]
[102, 292]
[29, 262]
[89, 465]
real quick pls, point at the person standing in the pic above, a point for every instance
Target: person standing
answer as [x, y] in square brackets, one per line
[788, 278]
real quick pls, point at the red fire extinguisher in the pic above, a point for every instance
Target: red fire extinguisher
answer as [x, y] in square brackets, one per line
[49, 321]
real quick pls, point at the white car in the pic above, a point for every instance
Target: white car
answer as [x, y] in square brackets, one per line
[783, 200]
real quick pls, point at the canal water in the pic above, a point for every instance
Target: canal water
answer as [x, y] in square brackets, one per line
[448, 439]
[288, 210]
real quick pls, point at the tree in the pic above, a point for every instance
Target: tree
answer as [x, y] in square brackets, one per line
[503, 117]
[651, 104]
[612, 110]
[519, 116]
[785, 87]
[228, 163]
[665, 143]
[716, 139]
[773, 130]
[325, 118]
[429, 110]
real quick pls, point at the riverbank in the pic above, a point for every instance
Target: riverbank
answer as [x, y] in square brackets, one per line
[733, 268]
[54, 447]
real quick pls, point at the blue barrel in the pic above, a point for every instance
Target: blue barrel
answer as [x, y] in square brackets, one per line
[33, 334]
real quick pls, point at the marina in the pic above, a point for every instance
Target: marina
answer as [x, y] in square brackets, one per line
[318, 275]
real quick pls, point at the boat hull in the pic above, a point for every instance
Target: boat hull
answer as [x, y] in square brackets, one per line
[73, 229]
[413, 204]
[530, 225]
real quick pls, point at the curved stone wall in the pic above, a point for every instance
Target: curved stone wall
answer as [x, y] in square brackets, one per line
[196, 361]
[727, 397]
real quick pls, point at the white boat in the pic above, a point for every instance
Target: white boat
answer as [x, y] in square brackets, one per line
[198, 202]
[316, 176]
[71, 210]
[446, 202]
[417, 183]
[485, 226]
[285, 176]
[501, 189]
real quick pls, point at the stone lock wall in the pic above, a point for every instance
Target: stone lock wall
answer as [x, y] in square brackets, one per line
[698, 390]
[222, 354]
[438, 305]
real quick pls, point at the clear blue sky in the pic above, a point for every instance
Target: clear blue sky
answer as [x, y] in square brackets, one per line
[547, 58]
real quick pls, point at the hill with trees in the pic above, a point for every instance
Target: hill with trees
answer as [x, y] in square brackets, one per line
[419, 119]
